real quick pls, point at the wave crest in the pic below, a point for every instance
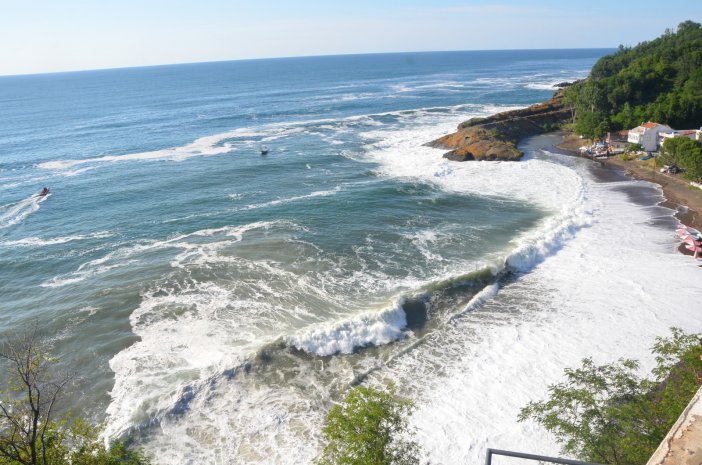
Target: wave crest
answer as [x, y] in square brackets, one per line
[369, 329]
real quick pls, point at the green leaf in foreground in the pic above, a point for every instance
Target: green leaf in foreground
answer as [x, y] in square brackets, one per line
[32, 431]
[369, 427]
[608, 414]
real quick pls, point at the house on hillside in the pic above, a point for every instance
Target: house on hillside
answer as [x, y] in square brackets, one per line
[618, 140]
[689, 133]
[647, 135]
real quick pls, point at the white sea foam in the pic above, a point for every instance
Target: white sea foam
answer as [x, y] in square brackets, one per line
[397, 153]
[132, 253]
[180, 349]
[204, 146]
[560, 190]
[78, 171]
[296, 198]
[374, 328]
[606, 294]
[226, 142]
[496, 336]
[14, 213]
[425, 241]
[485, 295]
[540, 86]
[39, 242]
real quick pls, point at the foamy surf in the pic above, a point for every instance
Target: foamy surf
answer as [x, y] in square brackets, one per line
[41, 242]
[597, 297]
[14, 213]
[369, 329]
[223, 345]
[185, 246]
[247, 137]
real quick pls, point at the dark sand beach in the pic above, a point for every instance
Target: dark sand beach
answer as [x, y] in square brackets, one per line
[679, 194]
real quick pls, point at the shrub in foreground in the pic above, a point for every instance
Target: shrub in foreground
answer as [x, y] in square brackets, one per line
[608, 414]
[31, 431]
[369, 428]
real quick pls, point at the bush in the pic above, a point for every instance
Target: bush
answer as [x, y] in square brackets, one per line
[686, 153]
[31, 433]
[550, 127]
[369, 428]
[633, 148]
[607, 414]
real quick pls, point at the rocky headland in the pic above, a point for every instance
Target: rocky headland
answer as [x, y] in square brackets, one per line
[495, 137]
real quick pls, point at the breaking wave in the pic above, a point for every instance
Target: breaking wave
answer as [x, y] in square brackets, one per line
[369, 329]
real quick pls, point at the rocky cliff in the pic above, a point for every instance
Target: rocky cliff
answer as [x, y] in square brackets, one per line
[496, 137]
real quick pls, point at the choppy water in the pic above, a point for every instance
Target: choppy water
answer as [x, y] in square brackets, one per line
[218, 300]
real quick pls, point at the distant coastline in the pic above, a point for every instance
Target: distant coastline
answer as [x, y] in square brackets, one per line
[496, 137]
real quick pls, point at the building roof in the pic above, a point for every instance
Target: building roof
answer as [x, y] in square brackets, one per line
[649, 125]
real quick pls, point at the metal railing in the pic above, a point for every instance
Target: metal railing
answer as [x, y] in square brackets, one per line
[543, 458]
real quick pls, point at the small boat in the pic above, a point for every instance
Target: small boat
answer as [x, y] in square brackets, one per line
[44, 192]
[687, 231]
[264, 150]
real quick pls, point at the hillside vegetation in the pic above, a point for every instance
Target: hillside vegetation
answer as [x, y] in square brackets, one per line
[660, 80]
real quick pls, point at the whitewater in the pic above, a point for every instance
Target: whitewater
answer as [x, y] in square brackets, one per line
[217, 302]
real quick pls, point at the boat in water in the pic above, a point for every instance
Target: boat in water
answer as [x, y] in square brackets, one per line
[264, 150]
[44, 192]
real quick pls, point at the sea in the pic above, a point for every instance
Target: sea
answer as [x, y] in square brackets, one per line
[215, 302]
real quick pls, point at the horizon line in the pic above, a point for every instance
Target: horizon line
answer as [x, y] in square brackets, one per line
[284, 57]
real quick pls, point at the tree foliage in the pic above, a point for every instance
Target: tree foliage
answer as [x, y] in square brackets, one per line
[31, 432]
[608, 414]
[660, 80]
[684, 152]
[369, 428]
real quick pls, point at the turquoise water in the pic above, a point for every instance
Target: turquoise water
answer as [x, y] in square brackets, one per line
[172, 258]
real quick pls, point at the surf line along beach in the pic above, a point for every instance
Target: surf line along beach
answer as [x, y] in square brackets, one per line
[679, 195]
[496, 138]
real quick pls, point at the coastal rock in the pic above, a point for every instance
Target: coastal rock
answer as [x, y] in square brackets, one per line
[495, 137]
[456, 155]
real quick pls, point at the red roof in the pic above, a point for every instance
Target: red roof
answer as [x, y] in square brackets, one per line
[649, 125]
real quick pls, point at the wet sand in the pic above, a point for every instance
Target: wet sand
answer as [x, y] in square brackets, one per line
[679, 195]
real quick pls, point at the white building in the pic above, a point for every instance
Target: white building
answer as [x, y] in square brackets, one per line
[647, 135]
[689, 133]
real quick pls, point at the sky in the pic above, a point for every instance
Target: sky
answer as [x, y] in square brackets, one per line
[39, 36]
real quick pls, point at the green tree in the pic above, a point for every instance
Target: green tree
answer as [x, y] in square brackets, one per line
[690, 159]
[659, 80]
[634, 148]
[31, 432]
[608, 414]
[686, 153]
[369, 428]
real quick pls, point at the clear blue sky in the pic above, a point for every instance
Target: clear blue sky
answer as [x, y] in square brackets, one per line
[59, 35]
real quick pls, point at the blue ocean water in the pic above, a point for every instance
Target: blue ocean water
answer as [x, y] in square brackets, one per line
[172, 257]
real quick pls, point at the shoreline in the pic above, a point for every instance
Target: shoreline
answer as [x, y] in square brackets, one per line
[678, 195]
[498, 136]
